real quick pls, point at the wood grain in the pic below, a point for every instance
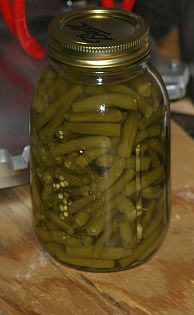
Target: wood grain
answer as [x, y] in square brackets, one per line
[31, 283]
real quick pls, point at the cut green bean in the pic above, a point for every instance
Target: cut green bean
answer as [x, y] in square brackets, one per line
[156, 145]
[144, 163]
[96, 226]
[80, 252]
[110, 177]
[63, 224]
[145, 122]
[94, 90]
[84, 262]
[99, 103]
[102, 242]
[126, 233]
[85, 143]
[126, 206]
[152, 177]
[113, 253]
[88, 156]
[142, 85]
[155, 159]
[81, 203]
[81, 218]
[98, 129]
[141, 102]
[106, 160]
[152, 192]
[44, 118]
[48, 132]
[110, 116]
[152, 242]
[128, 135]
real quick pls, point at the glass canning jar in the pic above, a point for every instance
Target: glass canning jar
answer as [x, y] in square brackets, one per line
[100, 143]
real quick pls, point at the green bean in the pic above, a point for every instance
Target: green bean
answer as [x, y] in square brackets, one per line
[155, 160]
[48, 175]
[106, 160]
[154, 131]
[130, 188]
[128, 135]
[81, 203]
[101, 242]
[115, 141]
[146, 180]
[79, 190]
[111, 116]
[43, 157]
[113, 253]
[89, 156]
[126, 206]
[102, 208]
[49, 130]
[141, 102]
[86, 240]
[58, 237]
[147, 245]
[156, 145]
[96, 226]
[80, 252]
[51, 225]
[126, 233]
[145, 122]
[110, 177]
[142, 85]
[71, 179]
[117, 187]
[41, 97]
[151, 206]
[85, 143]
[152, 192]
[73, 242]
[124, 116]
[63, 224]
[50, 111]
[81, 218]
[46, 194]
[155, 222]
[93, 90]
[144, 163]
[141, 136]
[156, 97]
[73, 167]
[85, 262]
[152, 176]
[98, 129]
[100, 102]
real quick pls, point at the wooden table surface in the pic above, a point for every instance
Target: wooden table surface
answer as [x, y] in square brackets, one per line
[31, 283]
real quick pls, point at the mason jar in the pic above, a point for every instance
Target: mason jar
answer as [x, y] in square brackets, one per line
[100, 143]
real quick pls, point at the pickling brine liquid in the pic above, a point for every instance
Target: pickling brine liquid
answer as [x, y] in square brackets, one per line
[100, 165]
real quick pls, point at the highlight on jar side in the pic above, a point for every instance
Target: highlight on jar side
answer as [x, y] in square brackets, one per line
[100, 147]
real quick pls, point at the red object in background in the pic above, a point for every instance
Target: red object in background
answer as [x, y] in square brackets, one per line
[125, 4]
[14, 17]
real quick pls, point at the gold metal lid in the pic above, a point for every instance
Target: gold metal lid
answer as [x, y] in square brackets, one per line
[98, 38]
